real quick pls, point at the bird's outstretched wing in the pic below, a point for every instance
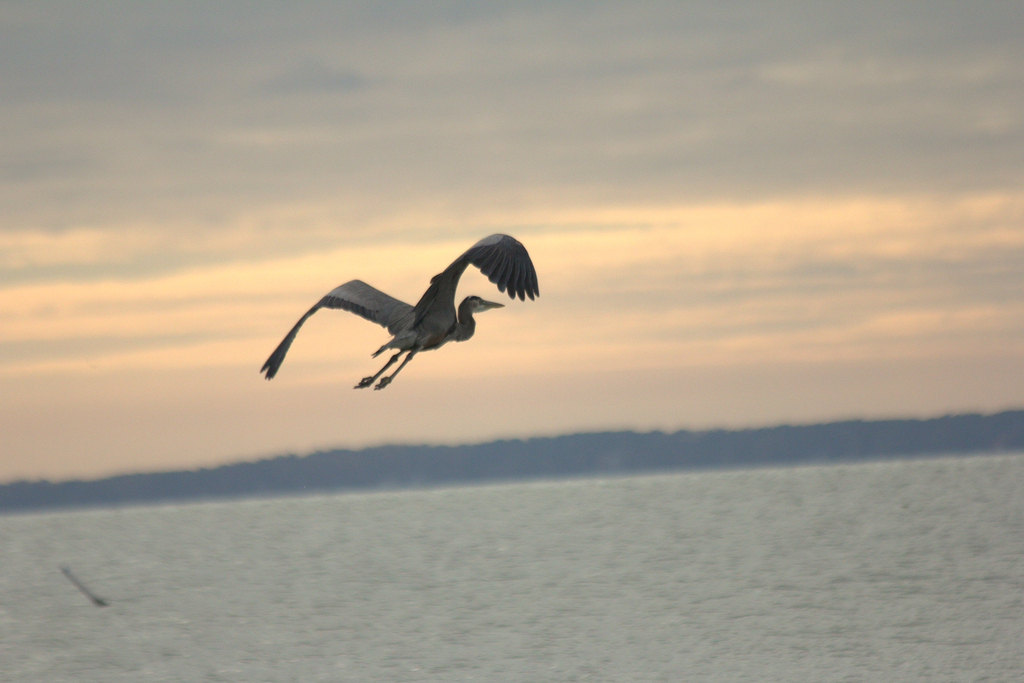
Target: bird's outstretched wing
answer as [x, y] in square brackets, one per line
[370, 303]
[359, 298]
[502, 258]
[506, 263]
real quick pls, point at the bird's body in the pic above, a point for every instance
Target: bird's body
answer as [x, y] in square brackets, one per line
[433, 321]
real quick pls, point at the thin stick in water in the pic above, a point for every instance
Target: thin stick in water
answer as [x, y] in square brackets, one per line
[98, 601]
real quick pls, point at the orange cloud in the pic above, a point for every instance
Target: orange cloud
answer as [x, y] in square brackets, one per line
[640, 286]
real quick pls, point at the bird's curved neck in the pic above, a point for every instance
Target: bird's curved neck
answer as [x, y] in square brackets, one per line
[466, 325]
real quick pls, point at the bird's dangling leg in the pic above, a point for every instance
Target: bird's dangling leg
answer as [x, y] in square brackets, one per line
[367, 381]
[387, 380]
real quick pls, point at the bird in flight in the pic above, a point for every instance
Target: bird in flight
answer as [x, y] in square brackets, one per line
[432, 322]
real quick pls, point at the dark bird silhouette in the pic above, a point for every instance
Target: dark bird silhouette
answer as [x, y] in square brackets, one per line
[433, 321]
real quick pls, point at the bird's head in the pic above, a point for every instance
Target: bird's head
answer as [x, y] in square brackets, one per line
[477, 305]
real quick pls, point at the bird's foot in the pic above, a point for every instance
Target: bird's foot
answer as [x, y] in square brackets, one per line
[364, 382]
[384, 381]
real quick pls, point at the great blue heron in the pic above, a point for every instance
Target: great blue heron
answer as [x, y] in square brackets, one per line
[432, 322]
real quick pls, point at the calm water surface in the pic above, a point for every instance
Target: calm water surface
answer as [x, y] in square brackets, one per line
[909, 571]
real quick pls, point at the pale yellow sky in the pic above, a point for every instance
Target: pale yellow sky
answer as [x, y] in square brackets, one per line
[734, 222]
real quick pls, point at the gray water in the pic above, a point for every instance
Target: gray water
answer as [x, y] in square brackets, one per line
[908, 571]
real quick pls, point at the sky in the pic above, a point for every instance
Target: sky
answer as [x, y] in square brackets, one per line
[741, 214]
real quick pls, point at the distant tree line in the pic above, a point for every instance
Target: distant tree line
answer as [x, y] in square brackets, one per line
[577, 455]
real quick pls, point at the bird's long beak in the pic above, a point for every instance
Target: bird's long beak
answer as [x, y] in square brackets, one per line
[490, 304]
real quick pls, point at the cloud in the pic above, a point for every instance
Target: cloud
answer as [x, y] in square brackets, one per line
[314, 77]
[197, 116]
[635, 286]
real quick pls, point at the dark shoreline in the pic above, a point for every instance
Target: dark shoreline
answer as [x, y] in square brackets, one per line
[571, 456]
